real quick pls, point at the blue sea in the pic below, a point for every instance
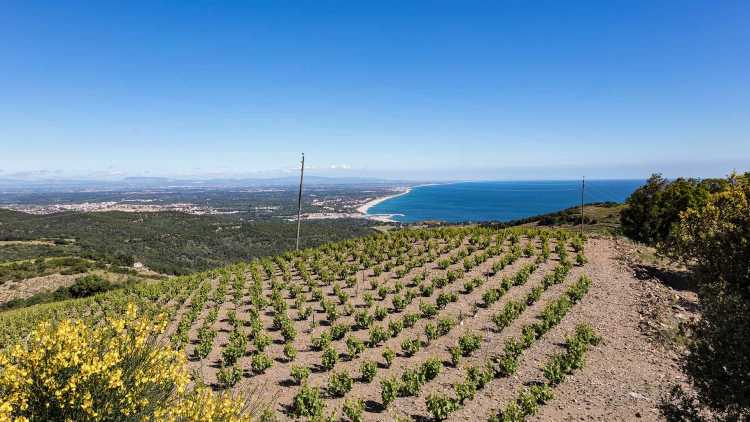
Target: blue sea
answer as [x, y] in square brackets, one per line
[499, 201]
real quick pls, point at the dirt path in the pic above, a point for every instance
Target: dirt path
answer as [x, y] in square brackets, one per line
[627, 374]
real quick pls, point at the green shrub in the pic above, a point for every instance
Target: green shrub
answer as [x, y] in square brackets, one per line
[339, 383]
[490, 296]
[410, 320]
[228, 377]
[505, 365]
[262, 341]
[288, 332]
[469, 286]
[511, 413]
[308, 403]
[654, 208]
[445, 325]
[353, 409]
[260, 362]
[300, 373]
[410, 346]
[431, 332]
[581, 259]
[368, 369]
[428, 310]
[469, 343]
[89, 285]
[440, 406]
[411, 383]
[399, 303]
[377, 335]
[338, 331]
[527, 403]
[329, 358]
[465, 391]
[534, 295]
[354, 346]
[363, 319]
[380, 313]
[388, 356]
[456, 354]
[290, 352]
[431, 368]
[389, 388]
[322, 342]
[395, 327]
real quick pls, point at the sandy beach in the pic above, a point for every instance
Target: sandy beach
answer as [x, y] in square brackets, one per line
[369, 204]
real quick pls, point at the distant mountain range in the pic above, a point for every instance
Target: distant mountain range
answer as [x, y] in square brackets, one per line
[11, 184]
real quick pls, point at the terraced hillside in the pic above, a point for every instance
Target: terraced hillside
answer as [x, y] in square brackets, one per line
[422, 324]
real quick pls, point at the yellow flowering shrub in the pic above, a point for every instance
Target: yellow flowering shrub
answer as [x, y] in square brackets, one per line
[115, 370]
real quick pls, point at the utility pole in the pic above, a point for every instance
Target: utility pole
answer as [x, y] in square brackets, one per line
[299, 198]
[583, 186]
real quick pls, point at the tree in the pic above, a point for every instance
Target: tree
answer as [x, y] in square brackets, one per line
[654, 208]
[714, 240]
[637, 219]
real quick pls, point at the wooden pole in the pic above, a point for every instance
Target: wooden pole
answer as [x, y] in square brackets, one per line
[299, 198]
[583, 186]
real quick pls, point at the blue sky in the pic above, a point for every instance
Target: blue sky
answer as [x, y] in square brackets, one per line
[424, 90]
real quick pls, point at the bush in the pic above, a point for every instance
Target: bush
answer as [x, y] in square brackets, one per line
[388, 356]
[353, 409]
[260, 362]
[440, 406]
[431, 332]
[329, 358]
[88, 286]
[380, 313]
[262, 341]
[431, 368]
[363, 319]
[395, 327]
[456, 354]
[411, 383]
[117, 367]
[479, 376]
[354, 347]
[410, 320]
[322, 342]
[290, 352]
[300, 373]
[230, 376]
[465, 391]
[377, 335]
[339, 383]
[368, 369]
[288, 332]
[411, 346]
[308, 403]
[428, 310]
[714, 241]
[469, 343]
[389, 388]
[505, 365]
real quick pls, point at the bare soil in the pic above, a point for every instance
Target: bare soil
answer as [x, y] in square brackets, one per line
[634, 306]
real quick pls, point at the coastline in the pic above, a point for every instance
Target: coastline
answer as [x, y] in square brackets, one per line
[362, 209]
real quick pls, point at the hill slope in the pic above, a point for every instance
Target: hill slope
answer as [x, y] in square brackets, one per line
[420, 293]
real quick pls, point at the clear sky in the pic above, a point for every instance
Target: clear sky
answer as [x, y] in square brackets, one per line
[400, 89]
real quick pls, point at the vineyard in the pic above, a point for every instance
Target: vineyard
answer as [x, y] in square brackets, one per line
[420, 324]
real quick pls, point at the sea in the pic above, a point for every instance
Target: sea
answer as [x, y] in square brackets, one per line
[498, 201]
